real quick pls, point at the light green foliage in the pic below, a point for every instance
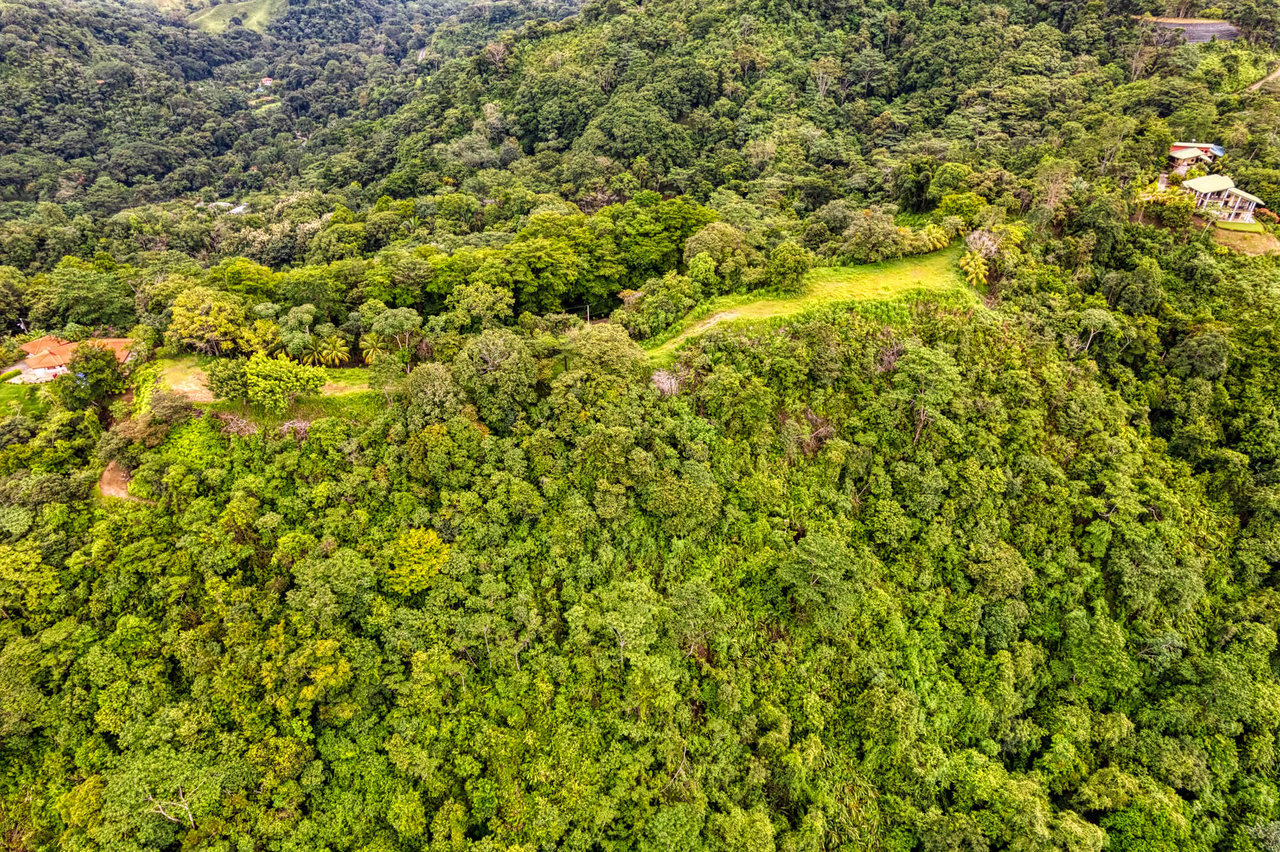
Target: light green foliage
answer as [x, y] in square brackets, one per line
[387, 374]
[26, 583]
[432, 395]
[398, 324]
[603, 350]
[878, 562]
[966, 206]
[275, 383]
[206, 320]
[227, 379]
[416, 557]
[662, 301]
[788, 263]
[252, 14]
[872, 285]
[728, 249]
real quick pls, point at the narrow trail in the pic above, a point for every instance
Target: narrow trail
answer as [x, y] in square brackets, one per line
[115, 483]
[1274, 75]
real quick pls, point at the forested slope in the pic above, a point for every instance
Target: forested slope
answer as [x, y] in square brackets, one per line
[960, 571]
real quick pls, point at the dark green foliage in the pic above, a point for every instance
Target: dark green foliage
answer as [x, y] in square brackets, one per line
[994, 569]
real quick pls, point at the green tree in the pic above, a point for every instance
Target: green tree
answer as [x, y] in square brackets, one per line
[788, 264]
[206, 320]
[275, 383]
[416, 557]
[498, 372]
[226, 379]
[93, 375]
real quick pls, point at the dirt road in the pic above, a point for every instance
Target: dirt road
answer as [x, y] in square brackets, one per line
[1274, 75]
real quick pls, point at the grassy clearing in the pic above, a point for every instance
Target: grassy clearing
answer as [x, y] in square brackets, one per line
[185, 374]
[834, 285]
[254, 14]
[1246, 242]
[1246, 227]
[167, 6]
[345, 380]
[357, 405]
[20, 399]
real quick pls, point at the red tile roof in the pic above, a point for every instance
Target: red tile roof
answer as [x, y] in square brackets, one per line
[31, 347]
[48, 351]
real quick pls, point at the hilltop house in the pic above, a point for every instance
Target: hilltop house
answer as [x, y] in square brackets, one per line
[48, 356]
[1184, 155]
[1219, 195]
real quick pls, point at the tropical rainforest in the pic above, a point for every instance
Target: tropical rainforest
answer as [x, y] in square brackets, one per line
[755, 425]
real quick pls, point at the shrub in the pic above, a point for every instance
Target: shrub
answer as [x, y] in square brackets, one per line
[274, 383]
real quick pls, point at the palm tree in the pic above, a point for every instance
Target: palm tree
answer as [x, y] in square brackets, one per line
[334, 351]
[312, 351]
[372, 345]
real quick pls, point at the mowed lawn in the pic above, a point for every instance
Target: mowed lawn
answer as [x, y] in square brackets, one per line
[254, 14]
[824, 286]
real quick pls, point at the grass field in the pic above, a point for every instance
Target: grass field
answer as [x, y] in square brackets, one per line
[1246, 227]
[185, 375]
[345, 380]
[824, 286]
[165, 5]
[357, 405]
[254, 14]
[1245, 240]
[20, 399]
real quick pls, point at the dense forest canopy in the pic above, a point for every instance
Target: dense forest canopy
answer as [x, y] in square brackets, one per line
[381, 539]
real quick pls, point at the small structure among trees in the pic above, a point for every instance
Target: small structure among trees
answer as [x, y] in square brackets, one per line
[1186, 155]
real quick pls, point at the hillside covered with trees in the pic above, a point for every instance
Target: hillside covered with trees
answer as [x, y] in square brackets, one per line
[453, 497]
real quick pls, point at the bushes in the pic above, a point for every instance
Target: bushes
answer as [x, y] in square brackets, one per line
[648, 312]
[788, 263]
[272, 383]
[1173, 209]
[872, 237]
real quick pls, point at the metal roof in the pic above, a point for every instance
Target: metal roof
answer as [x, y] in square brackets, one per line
[1235, 190]
[1209, 183]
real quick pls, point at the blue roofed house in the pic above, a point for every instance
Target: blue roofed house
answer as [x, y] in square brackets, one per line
[1185, 155]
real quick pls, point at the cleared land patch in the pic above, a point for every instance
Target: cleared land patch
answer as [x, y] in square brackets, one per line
[1196, 30]
[185, 374]
[826, 285]
[254, 14]
[1246, 242]
[115, 483]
